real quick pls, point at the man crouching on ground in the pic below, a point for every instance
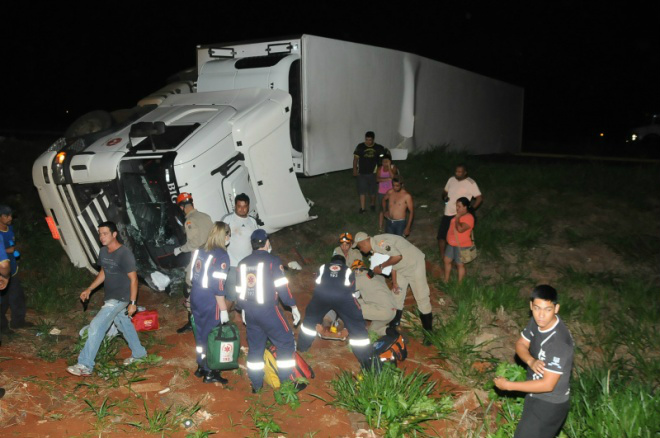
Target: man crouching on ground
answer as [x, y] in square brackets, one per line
[119, 275]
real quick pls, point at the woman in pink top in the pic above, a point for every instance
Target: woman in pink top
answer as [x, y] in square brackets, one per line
[384, 174]
[458, 236]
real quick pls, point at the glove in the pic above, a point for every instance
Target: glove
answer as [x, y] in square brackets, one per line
[356, 294]
[296, 315]
[177, 251]
[243, 316]
[224, 317]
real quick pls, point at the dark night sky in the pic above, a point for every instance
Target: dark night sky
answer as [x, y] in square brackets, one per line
[585, 67]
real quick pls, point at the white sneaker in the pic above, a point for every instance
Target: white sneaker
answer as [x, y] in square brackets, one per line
[132, 359]
[79, 370]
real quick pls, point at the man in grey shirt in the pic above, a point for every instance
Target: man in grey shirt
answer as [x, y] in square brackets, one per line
[119, 275]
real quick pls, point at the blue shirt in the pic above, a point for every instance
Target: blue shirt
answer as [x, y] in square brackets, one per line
[3, 253]
[9, 241]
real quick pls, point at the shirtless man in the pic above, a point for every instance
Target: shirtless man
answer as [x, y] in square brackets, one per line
[395, 204]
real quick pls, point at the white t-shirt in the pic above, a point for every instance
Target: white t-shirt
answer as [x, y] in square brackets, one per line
[241, 230]
[459, 189]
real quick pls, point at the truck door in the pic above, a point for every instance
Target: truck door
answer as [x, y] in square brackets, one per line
[266, 146]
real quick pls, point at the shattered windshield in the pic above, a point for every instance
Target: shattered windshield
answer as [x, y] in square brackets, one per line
[151, 214]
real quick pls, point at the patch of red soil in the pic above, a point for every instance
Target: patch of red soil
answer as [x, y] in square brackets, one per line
[43, 400]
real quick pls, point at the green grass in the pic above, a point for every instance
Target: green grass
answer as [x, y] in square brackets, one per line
[164, 421]
[398, 403]
[605, 405]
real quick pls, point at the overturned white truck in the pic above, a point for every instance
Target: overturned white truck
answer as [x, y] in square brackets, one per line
[254, 116]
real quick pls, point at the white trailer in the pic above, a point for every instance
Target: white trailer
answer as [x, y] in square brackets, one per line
[257, 114]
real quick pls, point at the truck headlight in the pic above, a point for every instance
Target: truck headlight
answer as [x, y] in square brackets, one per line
[58, 168]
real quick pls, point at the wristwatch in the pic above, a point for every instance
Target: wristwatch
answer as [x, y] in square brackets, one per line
[132, 303]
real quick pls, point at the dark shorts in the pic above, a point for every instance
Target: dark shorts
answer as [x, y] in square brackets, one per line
[367, 184]
[541, 419]
[395, 226]
[444, 227]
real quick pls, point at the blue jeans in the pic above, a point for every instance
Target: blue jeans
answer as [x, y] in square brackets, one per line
[112, 310]
[397, 226]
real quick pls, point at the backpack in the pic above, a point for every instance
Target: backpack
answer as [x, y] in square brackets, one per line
[302, 368]
[391, 348]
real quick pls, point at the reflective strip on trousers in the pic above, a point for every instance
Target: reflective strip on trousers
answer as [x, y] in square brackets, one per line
[359, 342]
[255, 366]
[286, 363]
[281, 282]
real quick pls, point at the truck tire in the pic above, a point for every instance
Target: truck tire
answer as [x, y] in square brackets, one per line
[93, 121]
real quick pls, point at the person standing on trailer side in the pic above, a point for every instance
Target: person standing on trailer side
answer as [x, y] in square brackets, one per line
[261, 282]
[335, 290]
[197, 226]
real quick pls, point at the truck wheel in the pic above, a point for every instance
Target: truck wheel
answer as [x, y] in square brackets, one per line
[93, 121]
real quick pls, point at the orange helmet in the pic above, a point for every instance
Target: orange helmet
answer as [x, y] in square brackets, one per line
[358, 264]
[345, 238]
[183, 198]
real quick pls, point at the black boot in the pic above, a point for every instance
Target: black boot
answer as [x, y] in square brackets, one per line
[215, 377]
[397, 319]
[200, 372]
[427, 324]
[186, 327]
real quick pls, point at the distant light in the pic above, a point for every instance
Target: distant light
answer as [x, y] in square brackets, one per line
[67, 111]
[633, 137]
[602, 135]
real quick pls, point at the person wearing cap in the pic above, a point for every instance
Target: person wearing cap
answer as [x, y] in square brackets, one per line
[335, 290]
[376, 299]
[14, 296]
[197, 226]
[261, 282]
[242, 226]
[344, 249]
[365, 161]
[409, 269]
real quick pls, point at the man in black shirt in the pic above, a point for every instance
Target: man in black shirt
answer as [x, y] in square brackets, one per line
[546, 346]
[365, 161]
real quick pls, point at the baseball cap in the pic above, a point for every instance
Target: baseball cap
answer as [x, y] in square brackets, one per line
[359, 237]
[5, 210]
[259, 236]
